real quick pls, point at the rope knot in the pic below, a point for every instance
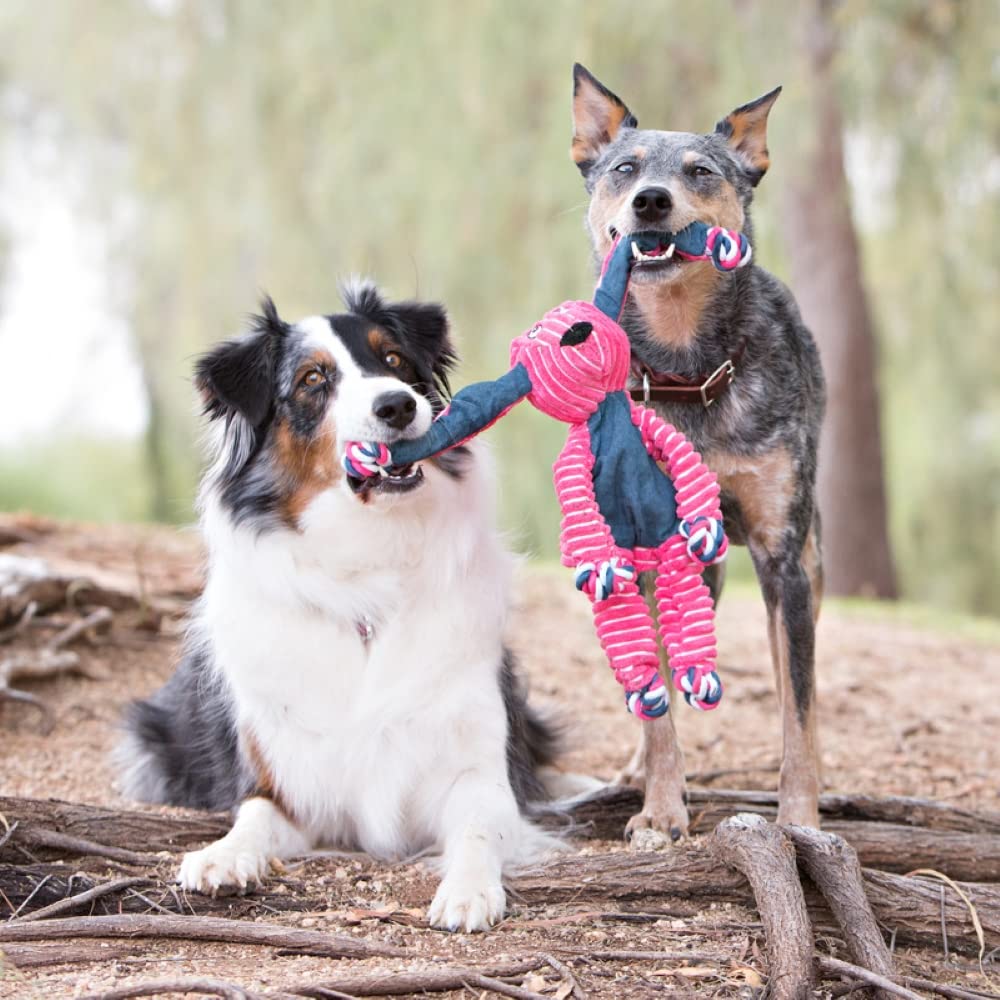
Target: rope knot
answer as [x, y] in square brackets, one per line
[727, 248]
[601, 580]
[366, 459]
[650, 701]
[706, 539]
[701, 686]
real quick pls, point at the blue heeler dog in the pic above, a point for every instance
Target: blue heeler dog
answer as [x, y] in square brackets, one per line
[727, 360]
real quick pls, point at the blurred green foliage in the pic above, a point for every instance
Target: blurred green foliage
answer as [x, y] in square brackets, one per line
[281, 145]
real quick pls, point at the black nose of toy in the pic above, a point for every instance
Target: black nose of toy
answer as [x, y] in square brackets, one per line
[397, 409]
[652, 205]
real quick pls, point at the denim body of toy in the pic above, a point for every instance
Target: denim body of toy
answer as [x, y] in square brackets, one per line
[621, 515]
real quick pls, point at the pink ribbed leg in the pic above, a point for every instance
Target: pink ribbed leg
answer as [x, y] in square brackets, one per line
[687, 625]
[628, 637]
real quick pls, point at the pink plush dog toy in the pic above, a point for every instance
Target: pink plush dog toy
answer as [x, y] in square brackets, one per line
[621, 514]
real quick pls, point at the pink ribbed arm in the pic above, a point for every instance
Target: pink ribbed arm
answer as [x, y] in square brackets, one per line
[585, 535]
[696, 485]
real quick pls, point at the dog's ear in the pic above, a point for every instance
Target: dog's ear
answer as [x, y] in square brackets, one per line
[598, 116]
[237, 376]
[745, 130]
[426, 325]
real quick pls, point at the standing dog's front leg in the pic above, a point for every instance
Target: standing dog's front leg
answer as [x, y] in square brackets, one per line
[481, 824]
[662, 776]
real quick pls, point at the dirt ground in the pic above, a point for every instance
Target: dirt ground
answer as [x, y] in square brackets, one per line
[905, 708]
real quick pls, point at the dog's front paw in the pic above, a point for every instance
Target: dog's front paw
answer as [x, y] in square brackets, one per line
[469, 904]
[653, 831]
[222, 865]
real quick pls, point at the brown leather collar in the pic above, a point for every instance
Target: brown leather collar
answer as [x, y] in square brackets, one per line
[666, 387]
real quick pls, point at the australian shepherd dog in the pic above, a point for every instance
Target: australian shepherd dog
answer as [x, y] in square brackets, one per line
[345, 680]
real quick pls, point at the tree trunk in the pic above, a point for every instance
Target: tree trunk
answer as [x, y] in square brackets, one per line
[827, 281]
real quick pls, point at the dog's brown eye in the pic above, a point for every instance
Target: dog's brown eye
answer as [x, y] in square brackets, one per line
[701, 171]
[313, 378]
[394, 360]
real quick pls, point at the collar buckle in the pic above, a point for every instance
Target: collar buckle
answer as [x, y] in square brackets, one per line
[726, 370]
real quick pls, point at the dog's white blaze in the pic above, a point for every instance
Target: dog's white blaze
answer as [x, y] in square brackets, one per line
[356, 392]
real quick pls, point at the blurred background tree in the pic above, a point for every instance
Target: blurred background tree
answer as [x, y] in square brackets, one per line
[206, 150]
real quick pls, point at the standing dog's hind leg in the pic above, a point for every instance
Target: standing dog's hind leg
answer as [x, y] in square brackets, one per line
[788, 594]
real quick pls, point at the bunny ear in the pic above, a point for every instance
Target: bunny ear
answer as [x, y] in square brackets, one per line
[576, 334]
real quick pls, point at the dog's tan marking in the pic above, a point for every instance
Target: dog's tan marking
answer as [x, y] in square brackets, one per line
[380, 342]
[605, 204]
[673, 309]
[812, 563]
[266, 786]
[745, 130]
[720, 208]
[318, 359]
[308, 465]
[597, 118]
[763, 486]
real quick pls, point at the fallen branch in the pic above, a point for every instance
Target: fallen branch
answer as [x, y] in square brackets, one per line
[35, 836]
[208, 987]
[54, 884]
[198, 929]
[833, 866]
[382, 983]
[35, 956]
[893, 833]
[31, 666]
[764, 855]
[964, 845]
[646, 956]
[909, 907]
[834, 968]
[117, 827]
[25, 580]
[609, 809]
[944, 990]
[8, 635]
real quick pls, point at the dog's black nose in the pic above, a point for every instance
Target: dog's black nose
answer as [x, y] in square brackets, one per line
[397, 409]
[653, 205]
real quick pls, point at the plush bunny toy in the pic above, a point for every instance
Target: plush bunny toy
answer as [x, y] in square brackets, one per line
[621, 514]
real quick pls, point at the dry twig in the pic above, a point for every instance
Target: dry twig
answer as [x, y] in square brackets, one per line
[74, 902]
[567, 973]
[833, 967]
[93, 621]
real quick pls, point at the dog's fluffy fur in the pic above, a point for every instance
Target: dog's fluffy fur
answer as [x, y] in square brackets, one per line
[417, 738]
